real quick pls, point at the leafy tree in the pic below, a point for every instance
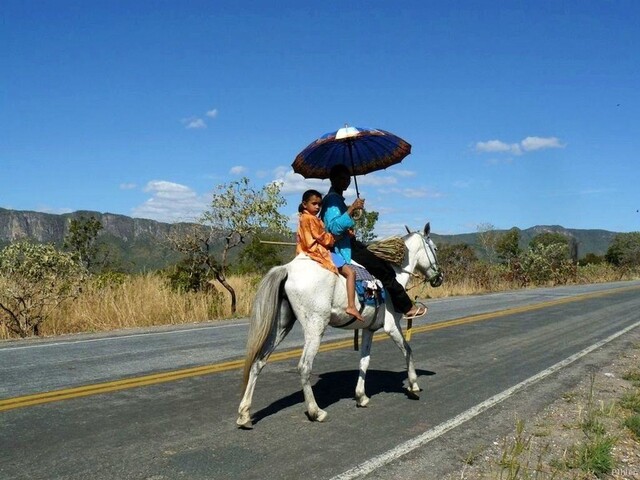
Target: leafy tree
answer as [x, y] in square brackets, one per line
[591, 259]
[457, 260]
[365, 226]
[508, 246]
[238, 211]
[81, 240]
[551, 238]
[34, 280]
[187, 276]
[196, 270]
[547, 263]
[624, 250]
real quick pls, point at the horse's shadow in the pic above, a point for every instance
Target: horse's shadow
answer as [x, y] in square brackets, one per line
[335, 386]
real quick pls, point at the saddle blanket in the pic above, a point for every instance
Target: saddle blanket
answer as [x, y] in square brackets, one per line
[368, 288]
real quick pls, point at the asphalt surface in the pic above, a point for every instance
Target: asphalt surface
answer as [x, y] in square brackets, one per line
[186, 428]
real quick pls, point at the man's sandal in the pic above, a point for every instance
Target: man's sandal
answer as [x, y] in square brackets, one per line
[420, 311]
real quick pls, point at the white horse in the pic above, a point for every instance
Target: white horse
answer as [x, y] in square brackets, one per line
[305, 291]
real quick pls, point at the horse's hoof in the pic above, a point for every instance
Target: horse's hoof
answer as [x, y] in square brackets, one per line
[362, 402]
[244, 422]
[322, 415]
[413, 394]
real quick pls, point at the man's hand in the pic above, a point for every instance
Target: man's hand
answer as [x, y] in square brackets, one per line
[358, 204]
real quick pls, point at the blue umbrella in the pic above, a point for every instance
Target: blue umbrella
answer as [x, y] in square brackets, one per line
[362, 150]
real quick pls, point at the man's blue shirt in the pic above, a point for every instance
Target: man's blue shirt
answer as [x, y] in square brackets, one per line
[337, 221]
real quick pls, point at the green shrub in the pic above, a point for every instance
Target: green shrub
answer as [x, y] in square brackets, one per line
[34, 280]
[542, 264]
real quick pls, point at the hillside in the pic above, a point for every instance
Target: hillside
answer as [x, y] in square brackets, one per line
[589, 241]
[137, 244]
[134, 244]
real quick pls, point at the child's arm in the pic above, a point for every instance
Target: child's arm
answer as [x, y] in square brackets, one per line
[312, 231]
[321, 236]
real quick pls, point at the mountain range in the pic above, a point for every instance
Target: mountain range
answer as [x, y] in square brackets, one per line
[136, 244]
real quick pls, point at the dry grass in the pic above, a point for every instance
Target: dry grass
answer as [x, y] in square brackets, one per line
[143, 301]
[418, 289]
[146, 300]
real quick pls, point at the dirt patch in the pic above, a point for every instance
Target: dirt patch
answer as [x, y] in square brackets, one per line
[581, 435]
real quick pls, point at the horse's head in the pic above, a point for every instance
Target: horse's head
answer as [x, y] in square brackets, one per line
[426, 259]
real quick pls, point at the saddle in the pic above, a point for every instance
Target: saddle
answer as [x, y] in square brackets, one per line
[368, 288]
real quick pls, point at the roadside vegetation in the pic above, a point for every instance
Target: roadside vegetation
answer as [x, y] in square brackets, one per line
[589, 433]
[49, 291]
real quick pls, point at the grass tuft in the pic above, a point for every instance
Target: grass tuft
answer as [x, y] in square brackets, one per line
[633, 424]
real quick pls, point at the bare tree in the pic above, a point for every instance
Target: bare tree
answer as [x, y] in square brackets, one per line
[237, 211]
[488, 238]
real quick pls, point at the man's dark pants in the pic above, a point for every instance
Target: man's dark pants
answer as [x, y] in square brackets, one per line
[384, 272]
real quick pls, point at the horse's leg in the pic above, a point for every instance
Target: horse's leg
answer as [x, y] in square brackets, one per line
[285, 323]
[392, 328]
[365, 355]
[244, 415]
[311, 346]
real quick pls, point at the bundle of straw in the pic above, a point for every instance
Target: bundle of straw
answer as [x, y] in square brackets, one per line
[391, 249]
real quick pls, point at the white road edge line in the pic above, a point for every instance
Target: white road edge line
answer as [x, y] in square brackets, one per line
[119, 337]
[374, 463]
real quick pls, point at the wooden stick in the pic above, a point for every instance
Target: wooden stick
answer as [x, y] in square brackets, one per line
[290, 244]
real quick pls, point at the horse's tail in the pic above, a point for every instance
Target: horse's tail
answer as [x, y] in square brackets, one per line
[264, 316]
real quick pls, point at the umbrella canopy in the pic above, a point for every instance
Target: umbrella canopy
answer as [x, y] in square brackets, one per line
[362, 150]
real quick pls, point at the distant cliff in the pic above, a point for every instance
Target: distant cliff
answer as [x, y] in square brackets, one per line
[134, 244]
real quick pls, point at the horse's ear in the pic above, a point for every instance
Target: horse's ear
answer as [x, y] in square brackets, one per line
[408, 231]
[427, 229]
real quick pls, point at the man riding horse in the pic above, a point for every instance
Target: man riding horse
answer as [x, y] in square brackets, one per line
[337, 220]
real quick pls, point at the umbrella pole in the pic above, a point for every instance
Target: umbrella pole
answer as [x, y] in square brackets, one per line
[353, 168]
[355, 182]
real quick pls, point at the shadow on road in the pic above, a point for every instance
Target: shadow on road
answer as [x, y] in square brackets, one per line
[335, 386]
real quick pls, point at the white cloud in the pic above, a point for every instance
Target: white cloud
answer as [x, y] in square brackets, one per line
[387, 229]
[194, 123]
[237, 170]
[127, 186]
[197, 123]
[171, 202]
[529, 144]
[403, 173]
[537, 143]
[293, 183]
[493, 146]
[375, 180]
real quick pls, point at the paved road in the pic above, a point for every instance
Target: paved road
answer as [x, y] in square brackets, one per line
[167, 419]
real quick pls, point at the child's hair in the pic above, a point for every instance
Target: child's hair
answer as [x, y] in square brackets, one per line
[306, 196]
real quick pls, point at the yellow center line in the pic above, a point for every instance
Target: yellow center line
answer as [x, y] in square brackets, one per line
[170, 376]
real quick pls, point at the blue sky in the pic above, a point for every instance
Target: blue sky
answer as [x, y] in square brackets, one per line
[519, 113]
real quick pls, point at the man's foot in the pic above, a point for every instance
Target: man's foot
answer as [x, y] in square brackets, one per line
[415, 312]
[354, 313]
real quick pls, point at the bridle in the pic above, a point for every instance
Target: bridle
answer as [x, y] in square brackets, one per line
[437, 277]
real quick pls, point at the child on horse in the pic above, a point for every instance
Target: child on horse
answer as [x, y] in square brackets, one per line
[315, 242]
